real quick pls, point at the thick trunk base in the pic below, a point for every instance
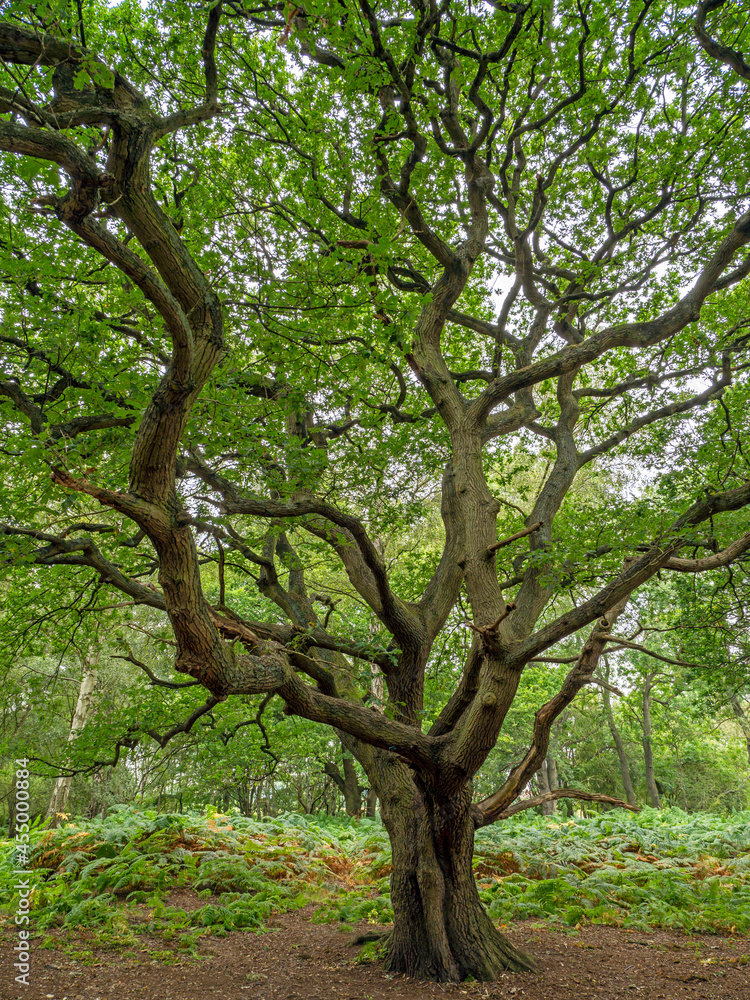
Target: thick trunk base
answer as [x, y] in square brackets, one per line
[452, 951]
[441, 930]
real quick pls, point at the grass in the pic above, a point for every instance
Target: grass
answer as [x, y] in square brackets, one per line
[125, 881]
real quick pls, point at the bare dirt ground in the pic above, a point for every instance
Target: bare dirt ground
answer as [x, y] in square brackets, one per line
[299, 960]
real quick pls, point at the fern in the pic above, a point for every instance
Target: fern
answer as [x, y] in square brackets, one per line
[665, 869]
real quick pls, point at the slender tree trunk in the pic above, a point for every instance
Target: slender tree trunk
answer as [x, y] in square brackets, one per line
[648, 753]
[741, 716]
[554, 784]
[622, 756]
[441, 931]
[12, 811]
[243, 798]
[377, 693]
[348, 783]
[352, 787]
[97, 801]
[84, 704]
[547, 778]
[543, 782]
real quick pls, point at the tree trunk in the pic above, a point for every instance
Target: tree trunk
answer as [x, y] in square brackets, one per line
[622, 756]
[348, 783]
[352, 787]
[97, 801]
[372, 803]
[741, 716]
[547, 778]
[554, 784]
[12, 811]
[244, 798]
[648, 753]
[59, 798]
[441, 931]
[543, 783]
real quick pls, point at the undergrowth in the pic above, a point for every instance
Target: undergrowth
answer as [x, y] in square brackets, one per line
[655, 869]
[169, 880]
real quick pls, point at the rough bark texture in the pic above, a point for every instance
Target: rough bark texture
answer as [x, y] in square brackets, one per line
[441, 931]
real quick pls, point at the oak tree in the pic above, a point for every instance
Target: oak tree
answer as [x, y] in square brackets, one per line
[277, 278]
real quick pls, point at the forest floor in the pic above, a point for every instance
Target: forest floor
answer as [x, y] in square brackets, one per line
[300, 960]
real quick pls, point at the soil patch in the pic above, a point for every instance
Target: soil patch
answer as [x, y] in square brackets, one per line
[299, 960]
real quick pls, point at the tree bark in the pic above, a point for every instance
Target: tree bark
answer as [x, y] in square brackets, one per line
[622, 756]
[348, 783]
[543, 783]
[59, 798]
[552, 778]
[547, 778]
[352, 787]
[97, 802]
[648, 753]
[441, 931]
[244, 794]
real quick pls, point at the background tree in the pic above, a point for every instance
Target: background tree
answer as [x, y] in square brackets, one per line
[421, 247]
[81, 713]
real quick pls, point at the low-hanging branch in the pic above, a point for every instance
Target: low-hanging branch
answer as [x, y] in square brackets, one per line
[564, 793]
